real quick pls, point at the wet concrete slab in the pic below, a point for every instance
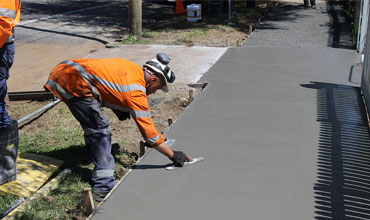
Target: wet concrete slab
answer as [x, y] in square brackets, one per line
[273, 126]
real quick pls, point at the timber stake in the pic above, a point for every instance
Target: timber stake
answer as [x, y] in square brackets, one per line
[142, 148]
[169, 121]
[89, 202]
[191, 95]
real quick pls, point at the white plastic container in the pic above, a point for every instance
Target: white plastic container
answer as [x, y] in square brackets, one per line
[194, 12]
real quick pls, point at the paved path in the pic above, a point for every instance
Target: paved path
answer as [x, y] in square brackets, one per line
[291, 25]
[284, 134]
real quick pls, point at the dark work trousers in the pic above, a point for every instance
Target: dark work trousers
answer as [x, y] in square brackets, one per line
[7, 58]
[97, 133]
[313, 2]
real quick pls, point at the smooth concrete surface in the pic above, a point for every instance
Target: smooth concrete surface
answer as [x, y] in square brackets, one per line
[282, 132]
[188, 63]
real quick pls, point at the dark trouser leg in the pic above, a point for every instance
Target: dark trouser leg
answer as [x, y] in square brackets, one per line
[313, 2]
[305, 2]
[4, 117]
[102, 176]
[6, 61]
[96, 127]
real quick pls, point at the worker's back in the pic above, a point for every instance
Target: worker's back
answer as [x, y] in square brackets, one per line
[114, 79]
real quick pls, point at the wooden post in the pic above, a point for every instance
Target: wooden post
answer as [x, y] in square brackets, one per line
[204, 85]
[89, 202]
[135, 17]
[190, 95]
[250, 29]
[142, 148]
[169, 121]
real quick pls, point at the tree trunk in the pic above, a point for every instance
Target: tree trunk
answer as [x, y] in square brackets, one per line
[135, 17]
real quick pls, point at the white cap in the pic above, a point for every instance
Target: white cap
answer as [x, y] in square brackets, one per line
[163, 69]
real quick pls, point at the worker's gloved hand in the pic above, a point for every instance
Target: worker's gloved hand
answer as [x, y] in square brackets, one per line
[178, 158]
[122, 115]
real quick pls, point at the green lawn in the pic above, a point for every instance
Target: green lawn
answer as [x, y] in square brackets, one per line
[58, 134]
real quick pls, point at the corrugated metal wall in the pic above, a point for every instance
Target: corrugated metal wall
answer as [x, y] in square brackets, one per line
[365, 82]
[361, 20]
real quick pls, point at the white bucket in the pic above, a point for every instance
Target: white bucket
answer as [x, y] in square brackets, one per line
[194, 12]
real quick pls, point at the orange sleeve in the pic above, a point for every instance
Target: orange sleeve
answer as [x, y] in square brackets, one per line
[139, 109]
[6, 26]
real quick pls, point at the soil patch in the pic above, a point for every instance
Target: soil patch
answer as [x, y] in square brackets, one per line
[212, 30]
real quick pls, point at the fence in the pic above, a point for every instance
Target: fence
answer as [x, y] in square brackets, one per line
[365, 37]
[361, 20]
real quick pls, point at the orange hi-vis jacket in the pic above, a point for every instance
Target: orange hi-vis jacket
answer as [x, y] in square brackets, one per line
[116, 83]
[10, 12]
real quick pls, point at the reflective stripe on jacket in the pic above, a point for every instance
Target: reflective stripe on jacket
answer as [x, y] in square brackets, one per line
[10, 11]
[116, 83]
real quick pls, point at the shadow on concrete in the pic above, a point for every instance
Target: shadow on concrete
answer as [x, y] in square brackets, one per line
[342, 188]
[284, 12]
[340, 34]
[146, 166]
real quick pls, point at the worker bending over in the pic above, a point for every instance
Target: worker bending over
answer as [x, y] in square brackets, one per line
[86, 85]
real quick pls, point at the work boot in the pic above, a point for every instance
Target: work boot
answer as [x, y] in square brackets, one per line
[8, 152]
[99, 195]
[116, 149]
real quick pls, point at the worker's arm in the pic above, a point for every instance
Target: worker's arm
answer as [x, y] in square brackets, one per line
[7, 23]
[6, 26]
[164, 149]
[140, 112]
